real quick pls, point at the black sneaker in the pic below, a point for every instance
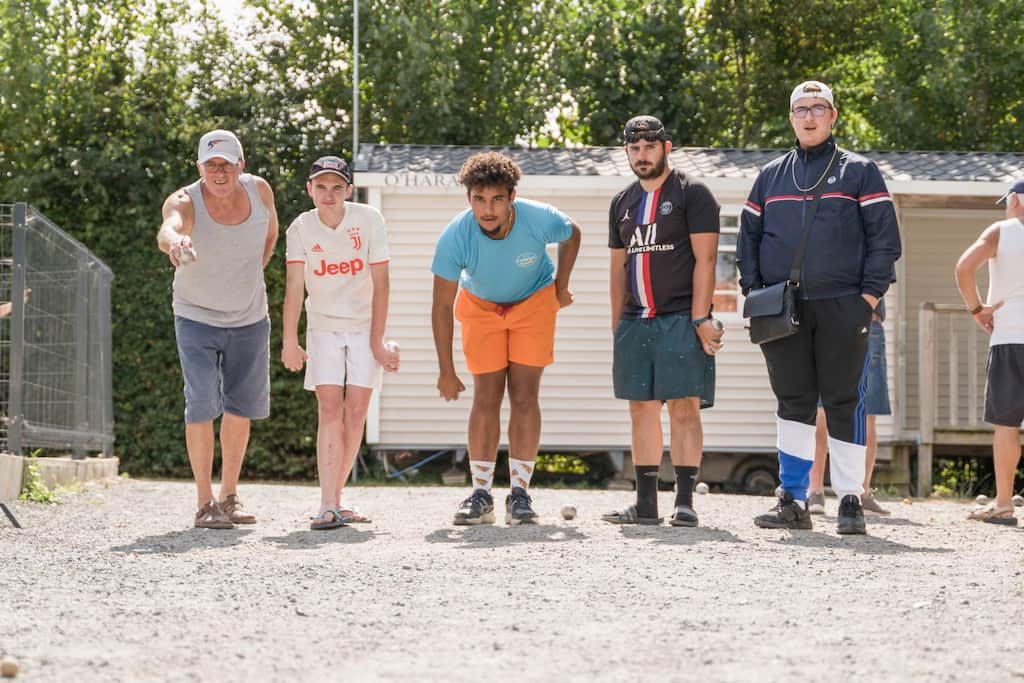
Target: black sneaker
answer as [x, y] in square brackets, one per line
[477, 509]
[787, 514]
[851, 516]
[517, 508]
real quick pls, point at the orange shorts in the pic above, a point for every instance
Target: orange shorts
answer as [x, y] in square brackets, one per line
[493, 335]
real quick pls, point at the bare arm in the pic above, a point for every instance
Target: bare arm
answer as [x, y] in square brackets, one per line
[442, 318]
[267, 195]
[568, 250]
[967, 266]
[379, 316]
[292, 354]
[705, 253]
[176, 228]
[617, 283]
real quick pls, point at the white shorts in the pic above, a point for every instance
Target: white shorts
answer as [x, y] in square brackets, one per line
[341, 358]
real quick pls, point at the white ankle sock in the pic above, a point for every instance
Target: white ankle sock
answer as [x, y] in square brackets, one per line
[482, 473]
[519, 473]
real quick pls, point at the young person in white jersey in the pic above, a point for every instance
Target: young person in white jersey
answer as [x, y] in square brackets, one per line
[338, 254]
[1001, 245]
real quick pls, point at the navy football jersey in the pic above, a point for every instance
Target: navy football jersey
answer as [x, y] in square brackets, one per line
[654, 228]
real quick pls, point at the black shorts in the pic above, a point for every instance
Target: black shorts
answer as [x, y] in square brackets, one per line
[1004, 390]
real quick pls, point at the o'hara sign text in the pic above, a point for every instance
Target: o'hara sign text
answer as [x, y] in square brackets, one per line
[420, 180]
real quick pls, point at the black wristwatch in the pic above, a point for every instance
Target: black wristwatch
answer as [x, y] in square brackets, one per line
[700, 321]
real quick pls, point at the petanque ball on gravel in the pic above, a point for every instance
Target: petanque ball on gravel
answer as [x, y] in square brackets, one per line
[701, 488]
[982, 499]
[568, 511]
[8, 667]
[1018, 501]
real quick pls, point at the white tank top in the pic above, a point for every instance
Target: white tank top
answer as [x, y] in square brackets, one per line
[225, 286]
[1006, 284]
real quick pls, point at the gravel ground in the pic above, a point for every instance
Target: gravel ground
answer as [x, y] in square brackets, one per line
[114, 585]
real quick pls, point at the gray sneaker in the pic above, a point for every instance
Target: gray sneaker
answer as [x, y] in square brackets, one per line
[868, 502]
[816, 502]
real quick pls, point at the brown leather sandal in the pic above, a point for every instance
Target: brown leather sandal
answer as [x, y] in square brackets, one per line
[993, 514]
[210, 516]
[235, 511]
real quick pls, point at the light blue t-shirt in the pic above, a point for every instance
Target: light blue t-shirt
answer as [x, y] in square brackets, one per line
[506, 270]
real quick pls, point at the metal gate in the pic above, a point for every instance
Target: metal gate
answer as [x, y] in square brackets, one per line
[55, 339]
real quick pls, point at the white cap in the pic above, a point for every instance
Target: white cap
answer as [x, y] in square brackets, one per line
[812, 89]
[220, 143]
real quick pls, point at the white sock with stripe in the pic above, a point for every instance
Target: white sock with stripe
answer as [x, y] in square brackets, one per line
[519, 473]
[847, 462]
[482, 474]
[795, 443]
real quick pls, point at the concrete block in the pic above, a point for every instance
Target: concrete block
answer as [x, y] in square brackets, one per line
[55, 471]
[65, 471]
[12, 469]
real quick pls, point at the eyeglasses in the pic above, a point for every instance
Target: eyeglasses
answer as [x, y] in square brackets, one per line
[223, 167]
[818, 110]
[651, 136]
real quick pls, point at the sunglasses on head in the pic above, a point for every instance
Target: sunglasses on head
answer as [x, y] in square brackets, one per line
[648, 136]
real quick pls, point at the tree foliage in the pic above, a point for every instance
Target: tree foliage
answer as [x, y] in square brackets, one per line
[101, 104]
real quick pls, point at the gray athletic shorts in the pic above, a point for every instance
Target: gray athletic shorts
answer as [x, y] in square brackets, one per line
[660, 359]
[226, 369]
[1004, 390]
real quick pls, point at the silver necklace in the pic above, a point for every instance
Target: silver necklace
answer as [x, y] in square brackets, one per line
[828, 166]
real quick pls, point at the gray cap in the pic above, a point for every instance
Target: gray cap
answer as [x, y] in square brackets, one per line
[220, 143]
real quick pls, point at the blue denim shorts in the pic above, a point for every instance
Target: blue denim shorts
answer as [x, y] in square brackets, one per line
[660, 359]
[226, 369]
[876, 398]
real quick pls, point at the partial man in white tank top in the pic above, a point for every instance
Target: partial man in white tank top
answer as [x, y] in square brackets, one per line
[337, 254]
[219, 234]
[1001, 245]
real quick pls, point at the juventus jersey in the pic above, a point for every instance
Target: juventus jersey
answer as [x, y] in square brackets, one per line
[654, 228]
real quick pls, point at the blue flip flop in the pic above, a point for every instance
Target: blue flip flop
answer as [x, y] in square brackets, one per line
[320, 522]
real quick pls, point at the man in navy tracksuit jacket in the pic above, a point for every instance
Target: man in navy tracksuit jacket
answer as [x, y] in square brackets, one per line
[852, 245]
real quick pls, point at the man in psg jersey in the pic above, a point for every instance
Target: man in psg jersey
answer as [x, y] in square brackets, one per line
[663, 235]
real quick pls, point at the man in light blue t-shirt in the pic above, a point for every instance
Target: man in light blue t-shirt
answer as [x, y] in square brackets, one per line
[510, 296]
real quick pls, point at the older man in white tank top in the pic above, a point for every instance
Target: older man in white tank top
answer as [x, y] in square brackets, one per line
[1002, 317]
[219, 234]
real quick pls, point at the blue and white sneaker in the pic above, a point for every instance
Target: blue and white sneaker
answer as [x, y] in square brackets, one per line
[477, 509]
[517, 508]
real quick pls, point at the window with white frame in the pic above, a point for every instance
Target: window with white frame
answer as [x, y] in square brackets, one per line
[727, 277]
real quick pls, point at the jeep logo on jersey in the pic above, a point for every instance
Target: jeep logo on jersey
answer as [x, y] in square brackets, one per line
[341, 268]
[666, 208]
[353, 234]
[526, 260]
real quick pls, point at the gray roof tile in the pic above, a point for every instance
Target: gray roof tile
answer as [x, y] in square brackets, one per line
[703, 162]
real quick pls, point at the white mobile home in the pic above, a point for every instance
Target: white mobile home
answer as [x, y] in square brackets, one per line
[943, 200]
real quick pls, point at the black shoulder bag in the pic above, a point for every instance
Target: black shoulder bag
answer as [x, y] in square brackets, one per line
[772, 309]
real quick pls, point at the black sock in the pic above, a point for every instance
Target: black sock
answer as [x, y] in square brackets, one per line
[686, 478]
[646, 490]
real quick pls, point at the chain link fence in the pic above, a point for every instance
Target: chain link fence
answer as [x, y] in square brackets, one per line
[55, 339]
